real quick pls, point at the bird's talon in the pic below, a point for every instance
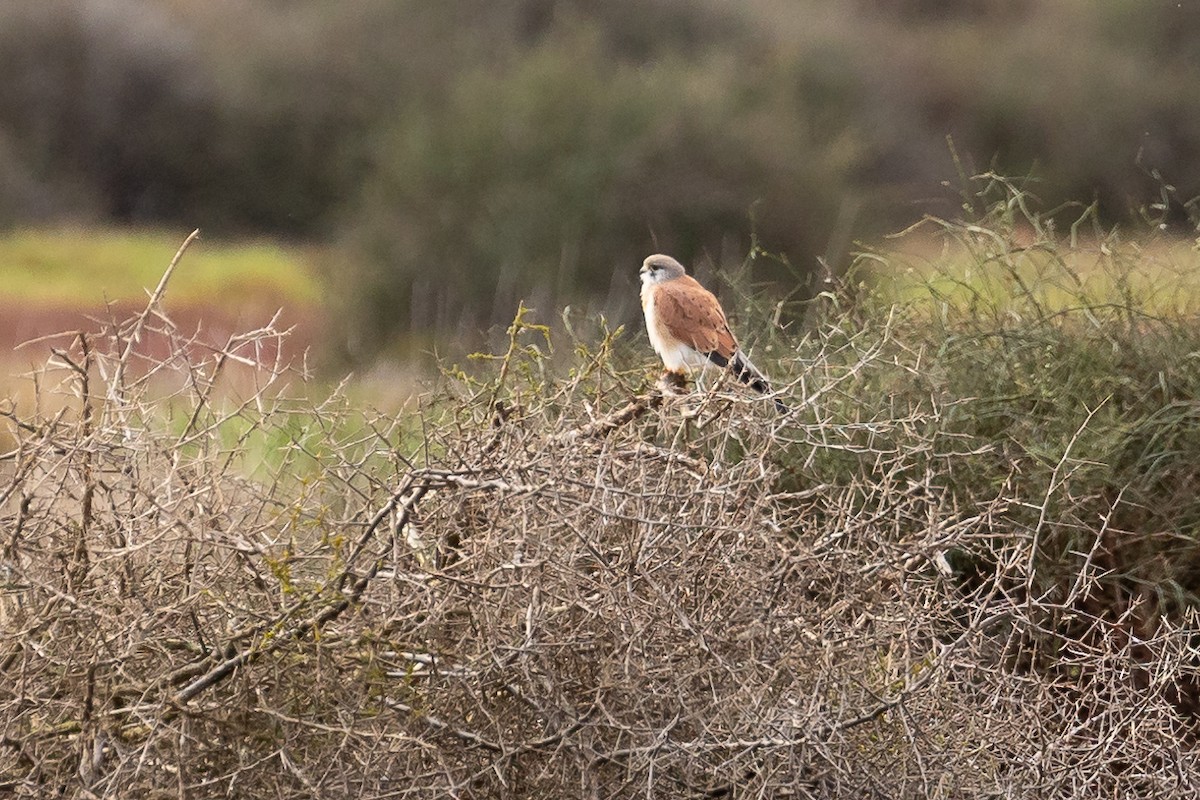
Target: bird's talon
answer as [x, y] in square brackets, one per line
[672, 383]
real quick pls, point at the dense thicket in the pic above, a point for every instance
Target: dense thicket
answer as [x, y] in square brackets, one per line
[964, 564]
[471, 153]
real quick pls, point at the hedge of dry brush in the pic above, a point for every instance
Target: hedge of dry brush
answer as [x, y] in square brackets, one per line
[541, 586]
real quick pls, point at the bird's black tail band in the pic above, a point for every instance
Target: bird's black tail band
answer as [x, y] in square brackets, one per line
[745, 372]
[748, 374]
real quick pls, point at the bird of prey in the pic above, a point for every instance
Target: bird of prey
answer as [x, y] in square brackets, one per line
[688, 329]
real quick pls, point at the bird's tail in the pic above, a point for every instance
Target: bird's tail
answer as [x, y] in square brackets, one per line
[745, 371]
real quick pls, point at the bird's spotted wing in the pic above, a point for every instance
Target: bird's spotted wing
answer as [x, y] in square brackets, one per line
[693, 316]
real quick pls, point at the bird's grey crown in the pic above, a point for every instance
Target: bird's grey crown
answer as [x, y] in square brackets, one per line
[659, 267]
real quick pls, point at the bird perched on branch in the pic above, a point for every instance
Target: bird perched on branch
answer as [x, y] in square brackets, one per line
[688, 329]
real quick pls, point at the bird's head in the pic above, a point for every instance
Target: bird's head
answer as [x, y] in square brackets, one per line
[659, 268]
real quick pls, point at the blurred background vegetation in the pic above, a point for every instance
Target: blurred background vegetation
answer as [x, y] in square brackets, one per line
[450, 159]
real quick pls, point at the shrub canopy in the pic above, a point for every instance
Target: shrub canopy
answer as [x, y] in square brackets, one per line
[964, 564]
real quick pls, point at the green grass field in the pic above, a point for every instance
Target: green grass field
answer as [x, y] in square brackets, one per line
[1158, 276]
[85, 267]
[61, 279]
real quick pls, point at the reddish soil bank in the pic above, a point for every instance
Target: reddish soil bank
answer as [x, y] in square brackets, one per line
[211, 327]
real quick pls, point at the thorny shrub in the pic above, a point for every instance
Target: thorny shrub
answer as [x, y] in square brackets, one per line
[543, 585]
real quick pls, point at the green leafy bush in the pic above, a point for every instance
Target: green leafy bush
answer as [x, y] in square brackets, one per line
[551, 180]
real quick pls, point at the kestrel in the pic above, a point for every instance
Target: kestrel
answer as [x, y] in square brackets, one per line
[688, 329]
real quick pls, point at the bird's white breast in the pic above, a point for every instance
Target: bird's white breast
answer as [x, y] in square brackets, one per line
[676, 355]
